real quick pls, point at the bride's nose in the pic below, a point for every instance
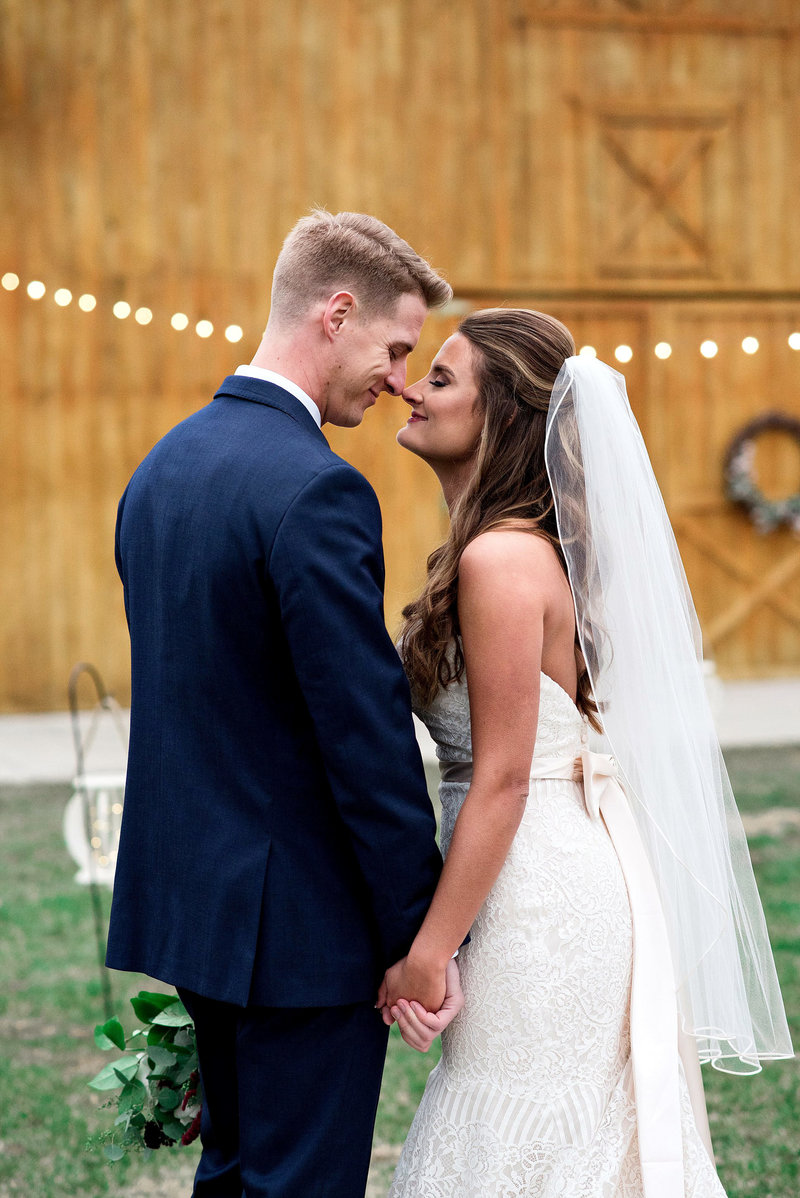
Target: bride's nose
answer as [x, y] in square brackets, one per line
[411, 394]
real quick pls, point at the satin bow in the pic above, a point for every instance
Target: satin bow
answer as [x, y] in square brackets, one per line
[600, 771]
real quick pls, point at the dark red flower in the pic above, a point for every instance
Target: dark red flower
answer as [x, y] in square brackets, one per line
[154, 1135]
[193, 1130]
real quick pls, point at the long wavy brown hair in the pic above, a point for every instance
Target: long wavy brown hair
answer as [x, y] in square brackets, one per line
[517, 355]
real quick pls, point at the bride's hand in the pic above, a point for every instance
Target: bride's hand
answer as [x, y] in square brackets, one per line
[415, 977]
[418, 1027]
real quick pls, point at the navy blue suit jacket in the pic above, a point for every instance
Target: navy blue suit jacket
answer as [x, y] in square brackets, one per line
[277, 842]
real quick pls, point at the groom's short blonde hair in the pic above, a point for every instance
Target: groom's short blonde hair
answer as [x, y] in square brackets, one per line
[349, 252]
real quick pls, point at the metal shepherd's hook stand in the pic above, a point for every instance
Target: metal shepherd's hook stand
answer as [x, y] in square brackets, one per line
[87, 787]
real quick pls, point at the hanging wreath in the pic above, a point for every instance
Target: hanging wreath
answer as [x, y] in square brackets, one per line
[741, 482]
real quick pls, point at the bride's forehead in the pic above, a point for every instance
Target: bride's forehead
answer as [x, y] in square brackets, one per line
[455, 353]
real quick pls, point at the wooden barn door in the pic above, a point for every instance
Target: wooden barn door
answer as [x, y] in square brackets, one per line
[746, 583]
[630, 165]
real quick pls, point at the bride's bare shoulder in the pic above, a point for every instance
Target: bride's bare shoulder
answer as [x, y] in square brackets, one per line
[510, 548]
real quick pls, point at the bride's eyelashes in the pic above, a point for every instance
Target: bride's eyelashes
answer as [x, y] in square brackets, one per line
[438, 382]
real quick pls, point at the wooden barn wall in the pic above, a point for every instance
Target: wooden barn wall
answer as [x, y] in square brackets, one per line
[630, 165]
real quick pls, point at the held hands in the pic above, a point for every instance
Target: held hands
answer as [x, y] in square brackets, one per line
[416, 976]
[420, 1027]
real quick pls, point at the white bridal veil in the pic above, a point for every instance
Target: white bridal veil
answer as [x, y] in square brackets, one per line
[641, 640]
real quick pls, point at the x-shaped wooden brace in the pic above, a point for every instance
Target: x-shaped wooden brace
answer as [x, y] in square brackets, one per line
[658, 187]
[764, 588]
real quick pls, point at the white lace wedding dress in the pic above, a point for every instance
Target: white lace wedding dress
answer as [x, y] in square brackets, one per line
[533, 1096]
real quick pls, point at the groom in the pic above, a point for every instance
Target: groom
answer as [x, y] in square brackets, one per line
[277, 848]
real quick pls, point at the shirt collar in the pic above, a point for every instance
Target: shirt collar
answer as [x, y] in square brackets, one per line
[271, 376]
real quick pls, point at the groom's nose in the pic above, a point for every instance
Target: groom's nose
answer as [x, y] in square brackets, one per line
[395, 380]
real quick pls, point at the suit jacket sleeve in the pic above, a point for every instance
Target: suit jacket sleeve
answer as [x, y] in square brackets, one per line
[118, 555]
[327, 568]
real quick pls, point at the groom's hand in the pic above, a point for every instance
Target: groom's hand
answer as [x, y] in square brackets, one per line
[418, 1027]
[412, 978]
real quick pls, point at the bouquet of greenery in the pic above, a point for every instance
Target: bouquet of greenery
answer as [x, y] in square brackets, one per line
[159, 1101]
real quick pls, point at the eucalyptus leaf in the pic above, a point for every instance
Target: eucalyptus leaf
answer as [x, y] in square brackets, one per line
[115, 1074]
[126, 1074]
[186, 1072]
[162, 1057]
[147, 1004]
[173, 1129]
[183, 1054]
[133, 1096]
[113, 1152]
[110, 1034]
[174, 1015]
[168, 1099]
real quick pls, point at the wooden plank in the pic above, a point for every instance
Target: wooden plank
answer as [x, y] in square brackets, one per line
[730, 619]
[160, 152]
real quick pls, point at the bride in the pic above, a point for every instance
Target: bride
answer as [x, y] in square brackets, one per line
[615, 933]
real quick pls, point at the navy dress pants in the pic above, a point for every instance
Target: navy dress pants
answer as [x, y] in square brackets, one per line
[289, 1098]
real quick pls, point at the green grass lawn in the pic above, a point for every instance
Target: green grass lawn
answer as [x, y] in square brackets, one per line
[50, 999]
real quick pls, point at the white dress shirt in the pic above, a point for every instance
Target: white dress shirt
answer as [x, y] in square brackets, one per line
[270, 376]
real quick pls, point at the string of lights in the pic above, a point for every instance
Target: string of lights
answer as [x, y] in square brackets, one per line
[708, 348]
[234, 332]
[87, 302]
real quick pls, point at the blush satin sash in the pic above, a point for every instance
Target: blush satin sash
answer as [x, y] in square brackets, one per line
[654, 1016]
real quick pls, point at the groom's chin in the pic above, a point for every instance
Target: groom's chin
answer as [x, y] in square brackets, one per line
[346, 419]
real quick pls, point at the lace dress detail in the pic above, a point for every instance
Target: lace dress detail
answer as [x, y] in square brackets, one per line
[533, 1095]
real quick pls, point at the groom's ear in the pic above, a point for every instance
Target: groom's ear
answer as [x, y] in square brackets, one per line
[339, 310]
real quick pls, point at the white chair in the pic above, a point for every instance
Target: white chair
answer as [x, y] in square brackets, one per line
[93, 814]
[92, 820]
